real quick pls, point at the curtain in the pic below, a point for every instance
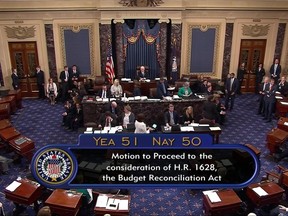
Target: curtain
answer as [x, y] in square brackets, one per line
[141, 47]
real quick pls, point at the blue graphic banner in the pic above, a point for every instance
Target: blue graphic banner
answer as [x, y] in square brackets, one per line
[145, 160]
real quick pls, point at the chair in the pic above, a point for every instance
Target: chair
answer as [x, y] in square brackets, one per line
[98, 83]
[207, 121]
[178, 85]
[153, 92]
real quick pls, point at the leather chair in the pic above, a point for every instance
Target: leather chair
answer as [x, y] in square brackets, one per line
[98, 83]
[153, 92]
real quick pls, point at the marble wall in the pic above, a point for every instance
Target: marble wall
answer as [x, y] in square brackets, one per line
[51, 51]
[227, 50]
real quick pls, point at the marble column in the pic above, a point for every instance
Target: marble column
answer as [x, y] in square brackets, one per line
[105, 36]
[176, 37]
[162, 55]
[51, 51]
[227, 49]
[119, 50]
[280, 40]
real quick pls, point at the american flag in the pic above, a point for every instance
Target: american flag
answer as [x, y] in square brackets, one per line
[110, 65]
[54, 166]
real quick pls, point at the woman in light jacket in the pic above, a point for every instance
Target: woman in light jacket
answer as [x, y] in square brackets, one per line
[51, 90]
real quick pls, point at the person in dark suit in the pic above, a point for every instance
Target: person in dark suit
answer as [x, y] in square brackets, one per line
[260, 73]
[15, 79]
[141, 75]
[264, 87]
[231, 88]
[77, 120]
[104, 92]
[73, 75]
[240, 76]
[282, 86]
[171, 117]
[204, 86]
[107, 119]
[114, 109]
[40, 82]
[269, 100]
[210, 109]
[64, 77]
[162, 88]
[275, 70]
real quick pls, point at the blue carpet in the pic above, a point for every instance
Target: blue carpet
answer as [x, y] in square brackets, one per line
[41, 122]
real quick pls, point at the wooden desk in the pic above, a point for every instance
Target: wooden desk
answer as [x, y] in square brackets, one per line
[275, 138]
[5, 111]
[25, 148]
[18, 96]
[284, 178]
[281, 109]
[152, 110]
[26, 194]
[230, 203]
[144, 87]
[63, 202]
[5, 123]
[9, 134]
[102, 211]
[254, 149]
[274, 191]
[11, 100]
[199, 130]
[281, 125]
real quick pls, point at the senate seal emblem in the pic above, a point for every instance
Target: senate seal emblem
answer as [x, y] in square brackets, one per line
[54, 166]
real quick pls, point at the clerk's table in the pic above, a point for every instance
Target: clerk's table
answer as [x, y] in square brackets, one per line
[64, 202]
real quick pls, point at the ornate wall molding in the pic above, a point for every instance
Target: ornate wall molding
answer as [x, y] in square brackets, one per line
[141, 3]
[20, 32]
[77, 28]
[255, 30]
[203, 28]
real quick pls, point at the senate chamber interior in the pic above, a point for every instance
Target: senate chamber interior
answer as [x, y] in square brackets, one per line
[99, 100]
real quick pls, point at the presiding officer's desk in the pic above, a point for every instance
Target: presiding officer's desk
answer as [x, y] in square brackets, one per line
[144, 86]
[230, 203]
[152, 109]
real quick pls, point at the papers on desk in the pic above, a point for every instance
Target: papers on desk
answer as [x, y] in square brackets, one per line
[176, 97]
[89, 130]
[13, 186]
[123, 205]
[142, 98]
[278, 97]
[260, 191]
[137, 98]
[168, 98]
[125, 79]
[214, 128]
[203, 125]
[112, 204]
[194, 124]
[105, 99]
[212, 195]
[277, 92]
[99, 99]
[186, 129]
[102, 201]
[171, 89]
[286, 123]
[284, 103]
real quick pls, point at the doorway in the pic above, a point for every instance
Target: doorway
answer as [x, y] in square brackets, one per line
[24, 58]
[252, 52]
